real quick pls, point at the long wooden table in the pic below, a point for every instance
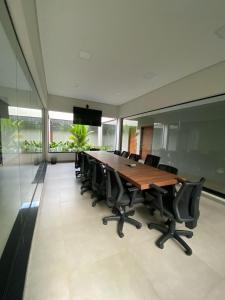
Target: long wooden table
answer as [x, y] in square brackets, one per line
[141, 176]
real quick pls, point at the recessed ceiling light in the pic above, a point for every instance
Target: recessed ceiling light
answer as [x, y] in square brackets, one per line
[220, 32]
[76, 84]
[85, 55]
[149, 75]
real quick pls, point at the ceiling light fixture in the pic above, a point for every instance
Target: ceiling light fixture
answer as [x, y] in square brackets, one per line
[220, 32]
[85, 55]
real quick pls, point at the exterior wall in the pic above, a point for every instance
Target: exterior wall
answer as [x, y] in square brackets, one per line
[66, 104]
[61, 157]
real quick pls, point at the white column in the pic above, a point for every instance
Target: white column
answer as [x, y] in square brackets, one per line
[119, 126]
[100, 136]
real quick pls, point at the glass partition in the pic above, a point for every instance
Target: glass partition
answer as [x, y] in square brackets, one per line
[20, 137]
[190, 138]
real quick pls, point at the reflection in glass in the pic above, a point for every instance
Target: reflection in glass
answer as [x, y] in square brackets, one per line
[191, 139]
[20, 138]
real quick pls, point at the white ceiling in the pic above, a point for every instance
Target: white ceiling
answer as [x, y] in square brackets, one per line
[135, 46]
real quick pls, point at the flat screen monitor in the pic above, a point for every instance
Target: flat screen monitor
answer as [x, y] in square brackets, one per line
[86, 116]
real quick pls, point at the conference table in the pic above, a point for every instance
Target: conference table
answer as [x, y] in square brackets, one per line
[140, 175]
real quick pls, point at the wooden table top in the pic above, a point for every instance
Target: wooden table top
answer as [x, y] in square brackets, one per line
[140, 176]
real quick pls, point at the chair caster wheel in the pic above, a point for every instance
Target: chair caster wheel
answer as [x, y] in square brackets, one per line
[93, 204]
[190, 236]
[132, 213]
[167, 223]
[161, 246]
[150, 226]
[188, 252]
[104, 222]
[152, 211]
[114, 211]
[121, 235]
[138, 226]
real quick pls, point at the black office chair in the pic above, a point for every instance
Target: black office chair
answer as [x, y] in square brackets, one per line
[119, 198]
[152, 160]
[171, 189]
[78, 159]
[125, 154]
[86, 173]
[117, 152]
[183, 208]
[168, 168]
[134, 157]
[83, 166]
[98, 182]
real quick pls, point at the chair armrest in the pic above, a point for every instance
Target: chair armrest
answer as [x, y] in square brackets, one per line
[158, 189]
[132, 189]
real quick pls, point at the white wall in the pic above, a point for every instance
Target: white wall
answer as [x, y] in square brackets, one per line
[66, 104]
[204, 83]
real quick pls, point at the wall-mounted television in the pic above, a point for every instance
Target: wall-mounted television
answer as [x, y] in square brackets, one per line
[86, 116]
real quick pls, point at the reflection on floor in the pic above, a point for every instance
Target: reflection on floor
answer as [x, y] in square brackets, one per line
[15, 188]
[74, 256]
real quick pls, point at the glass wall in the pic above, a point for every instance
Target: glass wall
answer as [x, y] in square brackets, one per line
[61, 131]
[20, 137]
[191, 139]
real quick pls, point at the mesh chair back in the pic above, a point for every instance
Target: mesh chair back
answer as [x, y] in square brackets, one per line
[114, 187]
[167, 168]
[117, 152]
[186, 202]
[78, 159]
[84, 165]
[152, 160]
[98, 176]
[134, 156]
[125, 154]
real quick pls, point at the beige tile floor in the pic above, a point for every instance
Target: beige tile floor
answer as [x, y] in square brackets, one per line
[75, 257]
